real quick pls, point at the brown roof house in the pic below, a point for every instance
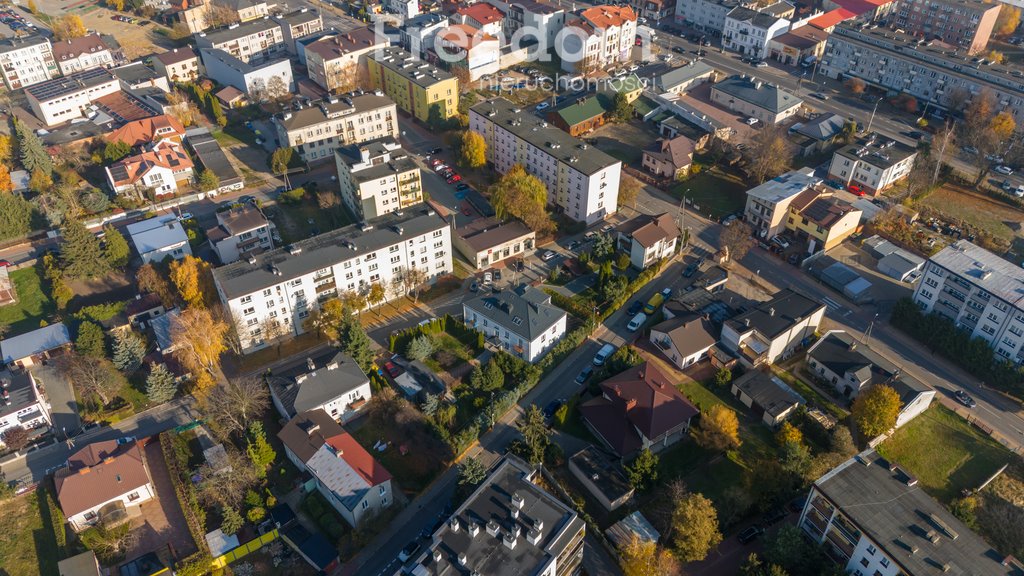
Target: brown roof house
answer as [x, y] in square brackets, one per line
[639, 408]
[102, 481]
[149, 131]
[648, 238]
[684, 340]
[487, 241]
[670, 157]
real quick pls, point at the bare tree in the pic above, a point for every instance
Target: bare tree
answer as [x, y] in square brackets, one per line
[412, 279]
[768, 153]
[738, 239]
[226, 486]
[218, 16]
[92, 376]
[182, 108]
[348, 78]
[234, 403]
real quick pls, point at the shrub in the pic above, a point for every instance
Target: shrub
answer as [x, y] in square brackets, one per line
[293, 196]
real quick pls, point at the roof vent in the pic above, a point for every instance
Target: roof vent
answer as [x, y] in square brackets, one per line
[453, 524]
[533, 537]
[517, 501]
[492, 528]
[310, 364]
[473, 529]
[437, 555]
[515, 513]
[462, 558]
[509, 540]
[333, 366]
[538, 524]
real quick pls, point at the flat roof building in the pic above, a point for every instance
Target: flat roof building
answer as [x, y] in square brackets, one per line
[315, 131]
[872, 164]
[26, 61]
[65, 99]
[417, 87]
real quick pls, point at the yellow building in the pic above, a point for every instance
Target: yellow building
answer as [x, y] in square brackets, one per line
[415, 86]
[822, 218]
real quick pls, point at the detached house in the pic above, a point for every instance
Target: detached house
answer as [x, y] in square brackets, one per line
[773, 329]
[355, 484]
[684, 340]
[767, 396]
[159, 237]
[101, 481]
[149, 131]
[521, 320]
[330, 382]
[178, 65]
[751, 97]
[647, 239]
[670, 157]
[639, 408]
[240, 231]
[22, 403]
[159, 169]
[80, 54]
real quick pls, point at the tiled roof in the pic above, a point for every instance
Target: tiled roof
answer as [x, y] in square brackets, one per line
[177, 55]
[831, 18]
[334, 47]
[465, 36]
[649, 230]
[307, 432]
[145, 131]
[71, 49]
[482, 12]
[166, 154]
[346, 469]
[608, 16]
[98, 473]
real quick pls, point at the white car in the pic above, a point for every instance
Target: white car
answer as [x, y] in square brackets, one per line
[440, 167]
[752, 121]
[636, 322]
[1019, 192]
[548, 255]
[1004, 170]
[542, 106]
[185, 216]
[488, 277]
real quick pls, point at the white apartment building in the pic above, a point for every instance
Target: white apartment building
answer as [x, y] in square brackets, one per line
[21, 402]
[246, 10]
[768, 204]
[405, 9]
[610, 33]
[979, 292]
[79, 54]
[521, 321]
[751, 97]
[332, 60]
[286, 284]
[253, 79]
[330, 381]
[476, 51]
[62, 99]
[377, 178]
[316, 131]
[26, 61]
[772, 329]
[254, 41]
[538, 21]
[583, 182]
[178, 65]
[418, 33]
[240, 231]
[299, 24]
[872, 164]
[749, 32]
[706, 15]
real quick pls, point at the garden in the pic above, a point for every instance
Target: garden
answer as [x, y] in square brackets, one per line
[446, 345]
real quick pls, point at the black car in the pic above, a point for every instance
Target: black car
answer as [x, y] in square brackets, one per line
[691, 270]
[585, 375]
[700, 52]
[552, 407]
[750, 534]
[435, 151]
[247, 199]
[679, 49]
[774, 515]
[410, 551]
[474, 287]
[634, 308]
[965, 399]
[520, 265]
[497, 275]
[915, 134]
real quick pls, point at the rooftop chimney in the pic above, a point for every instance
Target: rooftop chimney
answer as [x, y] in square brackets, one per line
[453, 524]
[492, 528]
[462, 558]
[437, 555]
[310, 364]
[517, 500]
[473, 529]
[771, 311]
[533, 537]
[509, 541]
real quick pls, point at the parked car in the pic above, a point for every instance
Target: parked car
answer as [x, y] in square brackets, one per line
[454, 178]
[656, 301]
[542, 106]
[125, 440]
[759, 64]
[409, 552]
[552, 407]
[969, 149]
[679, 49]
[435, 151]
[440, 167]
[635, 307]
[185, 216]
[855, 189]
[604, 354]
[690, 270]
[488, 278]
[636, 322]
[819, 95]
[574, 245]
[584, 375]
[1004, 170]
[548, 255]
[751, 121]
[435, 162]
[392, 369]
[5, 264]
[774, 515]
[750, 534]
[965, 399]
[247, 199]
[462, 186]
[782, 242]
[474, 287]
[667, 292]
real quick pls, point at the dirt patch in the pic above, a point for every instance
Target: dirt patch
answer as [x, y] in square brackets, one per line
[111, 287]
[162, 523]
[1001, 513]
[136, 41]
[625, 141]
[996, 219]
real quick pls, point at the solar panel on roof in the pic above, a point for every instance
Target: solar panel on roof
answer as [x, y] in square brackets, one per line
[119, 172]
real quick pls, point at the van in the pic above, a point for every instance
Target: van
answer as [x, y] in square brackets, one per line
[604, 354]
[636, 322]
[653, 303]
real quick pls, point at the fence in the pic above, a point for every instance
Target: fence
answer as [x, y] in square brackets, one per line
[242, 551]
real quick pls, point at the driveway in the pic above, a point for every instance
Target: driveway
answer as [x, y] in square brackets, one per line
[63, 406]
[162, 524]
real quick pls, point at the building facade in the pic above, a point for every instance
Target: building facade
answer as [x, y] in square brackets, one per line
[773, 329]
[751, 97]
[647, 239]
[750, 32]
[610, 35]
[27, 61]
[334, 62]
[378, 178]
[258, 81]
[63, 99]
[417, 87]
[706, 15]
[967, 24]
[582, 182]
[80, 54]
[22, 403]
[252, 42]
[486, 241]
[299, 24]
[240, 231]
[286, 284]
[475, 50]
[521, 321]
[316, 131]
[767, 207]
[872, 165]
[538, 21]
[101, 481]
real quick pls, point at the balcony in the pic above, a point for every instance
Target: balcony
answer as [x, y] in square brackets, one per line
[325, 287]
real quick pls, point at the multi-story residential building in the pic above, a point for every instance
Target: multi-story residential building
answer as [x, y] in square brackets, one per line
[246, 10]
[653, 10]
[80, 54]
[669, 157]
[773, 329]
[822, 219]
[256, 80]
[178, 65]
[418, 88]
[475, 50]
[101, 481]
[581, 181]
[240, 231]
[481, 16]
[21, 402]
[964, 23]
[417, 34]
[801, 45]
[766, 102]
[647, 239]
[605, 34]
[750, 31]
[872, 164]
[377, 178]
[299, 24]
[405, 9]
[978, 291]
[137, 77]
[334, 61]
[158, 238]
[539, 20]
[288, 283]
[521, 321]
[253, 42]
[509, 526]
[331, 382]
[706, 15]
[767, 205]
[159, 169]
[62, 99]
[26, 61]
[316, 131]
[934, 75]
[873, 517]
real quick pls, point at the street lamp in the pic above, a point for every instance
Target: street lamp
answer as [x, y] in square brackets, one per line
[681, 216]
[875, 109]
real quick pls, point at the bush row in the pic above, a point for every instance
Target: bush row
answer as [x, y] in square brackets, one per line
[399, 341]
[195, 516]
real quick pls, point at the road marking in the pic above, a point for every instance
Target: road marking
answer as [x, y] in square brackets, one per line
[832, 304]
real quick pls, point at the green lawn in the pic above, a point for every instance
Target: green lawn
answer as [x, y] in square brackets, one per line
[700, 396]
[713, 192]
[413, 471]
[27, 545]
[298, 221]
[32, 305]
[945, 453]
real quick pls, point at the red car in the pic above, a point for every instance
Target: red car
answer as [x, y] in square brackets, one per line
[855, 189]
[392, 368]
[435, 162]
[5, 264]
[455, 178]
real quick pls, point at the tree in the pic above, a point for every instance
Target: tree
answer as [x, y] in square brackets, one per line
[325, 319]
[92, 376]
[149, 279]
[645, 558]
[737, 239]
[129, 349]
[629, 190]
[208, 181]
[199, 340]
[471, 472]
[6, 149]
[81, 255]
[280, 160]
[1002, 125]
[115, 150]
[6, 185]
[232, 521]
[995, 56]
[182, 108]
[694, 528]
[109, 543]
[233, 404]
[117, 5]
[161, 385]
[622, 109]
[277, 90]
[788, 433]
[855, 85]
[31, 5]
[1007, 21]
[69, 26]
[875, 410]
[472, 150]
[33, 155]
[411, 280]
[719, 429]
[795, 458]
[375, 295]
[227, 489]
[521, 195]
[15, 216]
[755, 567]
[723, 377]
[976, 131]
[15, 438]
[192, 277]
[768, 153]
[535, 434]
[260, 452]
[355, 342]
[643, 471]
[420, 348]
[486, 379]
[841, 441]
[219, 16]
[115, 248]
[40, 182]
[91, 341]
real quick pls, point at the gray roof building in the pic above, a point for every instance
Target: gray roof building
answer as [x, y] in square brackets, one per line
[330, 109]
[308, 384]
[775, 316]
[353, 154]
[524, 311]
[841, 354]
[770, 395]
[237, 32]
[34, 343]
[18, 393]
[823, 128]
[760, 94]
[413, 69]
[989, 272]
[762, 19]
[878, 151]
[212, 157]
[683, 75]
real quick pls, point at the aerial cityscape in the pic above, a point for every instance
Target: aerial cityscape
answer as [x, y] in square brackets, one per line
[512, 287]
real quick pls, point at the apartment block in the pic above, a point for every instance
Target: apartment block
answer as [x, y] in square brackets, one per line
[26, 61]
[964, 23]
[299, 24]
[286, 284]
[316, 131]
[178, 65]
[477, 51]
[768, 204]
[541, 18]
[377, 178]
[416, 86]
[582, 182]
[254, 79]
[332, 61]
[706, 15]
[85, 53]
[246, 10]
[931, 73]
[417, 34]
[872, 164]
[239, 232]
[750, 32]
[62, 99]
[980, 292]
[610, 33]
[522, 321]
[254, 41]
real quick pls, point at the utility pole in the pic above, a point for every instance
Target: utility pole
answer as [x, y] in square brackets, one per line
[942, 152]
[875, 109]
[681, 215]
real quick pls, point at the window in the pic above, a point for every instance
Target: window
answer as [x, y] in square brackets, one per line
[383, 490]
[365, 504]
[248, 311]
[246, 300]
[871, 550]
[884, 562]
[268, 292]
[864, 562]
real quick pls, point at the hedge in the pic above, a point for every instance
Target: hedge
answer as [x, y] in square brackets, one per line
[399, 341]
[195, 516]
